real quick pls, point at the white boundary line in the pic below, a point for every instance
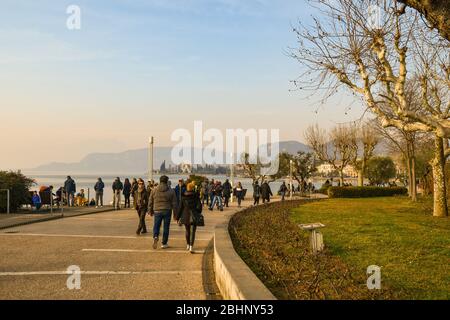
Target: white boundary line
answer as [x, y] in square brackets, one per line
[136, 250]
[45, 273]
[92, 236]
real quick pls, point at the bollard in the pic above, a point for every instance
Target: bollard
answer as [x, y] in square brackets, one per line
[316, 238]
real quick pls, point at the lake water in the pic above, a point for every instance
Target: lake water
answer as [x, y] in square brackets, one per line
[87, 181]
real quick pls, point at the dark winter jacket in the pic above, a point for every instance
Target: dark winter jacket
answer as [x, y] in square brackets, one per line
[127, 188]
[256, 191]
[190, 208]
[266, 192]
[227, 189]
[217, 190]
[117, 186]
[99, 186]
[162, 198]
[141, 199]
[179, 191]
[69, 186]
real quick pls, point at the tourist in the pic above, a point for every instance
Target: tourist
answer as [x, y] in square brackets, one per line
[81, 200]
[70, 189]
[204, 193]
[217, 193]
[256, 193]
[180, 189]
[36, 200]
[141, 204]
[162, 202]
[117, 190]
[239, 194]
[188, 214]
[227, 192]
[266, 192]
[134, 186]
[283, 190]
[127, 192]
[99, 186]
[210, 191]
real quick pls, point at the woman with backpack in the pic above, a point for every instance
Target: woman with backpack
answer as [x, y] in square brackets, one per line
[189, 214]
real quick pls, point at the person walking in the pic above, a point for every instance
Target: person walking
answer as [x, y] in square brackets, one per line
[217, 192]
[256, 193]
[134, 187]
[99, 186]
[283, 190]
[70, 188]
[188, 214]
[162, 202]
[211, 191]
[141, 205]
[180, 189]
[239, 194]
[266, 192]
[227, 192]
[36, 200]
[117, 190]
[204, 196]
[127, 192]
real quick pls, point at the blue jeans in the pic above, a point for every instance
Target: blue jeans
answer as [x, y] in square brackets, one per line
[159, 217]
[218, 200]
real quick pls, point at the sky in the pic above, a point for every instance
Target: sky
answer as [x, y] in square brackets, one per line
[146, 68]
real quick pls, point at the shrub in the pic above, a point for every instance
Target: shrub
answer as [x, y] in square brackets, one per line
[365, 192]
[18, 185]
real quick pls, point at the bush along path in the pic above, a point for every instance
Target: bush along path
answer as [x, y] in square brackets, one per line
[278, 252]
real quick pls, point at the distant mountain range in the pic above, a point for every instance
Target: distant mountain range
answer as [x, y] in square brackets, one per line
[133, 160]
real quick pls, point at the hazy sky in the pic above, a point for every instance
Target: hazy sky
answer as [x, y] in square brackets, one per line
[141, 68]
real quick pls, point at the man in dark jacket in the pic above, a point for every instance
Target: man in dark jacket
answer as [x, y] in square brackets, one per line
[217, 191]
[226, 192]
[160, 205]
[256, 193]
[99, 186]
[283, 190]
[141, 205]
[180, 189]
[117, 190]
[70, 189]
[266, 192]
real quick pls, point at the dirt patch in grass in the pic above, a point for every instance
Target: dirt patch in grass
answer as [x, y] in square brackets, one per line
[278, 252]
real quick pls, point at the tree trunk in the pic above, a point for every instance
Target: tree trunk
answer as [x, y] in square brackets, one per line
[438, 165]
[341, 177]
[413, 180]
[361, 177]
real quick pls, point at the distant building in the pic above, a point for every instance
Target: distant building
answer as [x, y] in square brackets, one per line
[326, 169]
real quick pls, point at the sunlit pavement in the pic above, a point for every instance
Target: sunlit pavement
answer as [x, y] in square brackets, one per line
[115, 263]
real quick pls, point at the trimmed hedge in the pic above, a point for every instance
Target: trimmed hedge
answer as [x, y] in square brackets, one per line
[365, 192]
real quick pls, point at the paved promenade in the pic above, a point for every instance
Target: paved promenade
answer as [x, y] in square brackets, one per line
[114, 262]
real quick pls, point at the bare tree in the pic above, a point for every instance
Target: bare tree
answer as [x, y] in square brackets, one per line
[338, 147]
[342, 49]
[437, 13]
[367, 140]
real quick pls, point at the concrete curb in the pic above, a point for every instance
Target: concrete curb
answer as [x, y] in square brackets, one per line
[52, 217]
[233, 277]
[23, 223]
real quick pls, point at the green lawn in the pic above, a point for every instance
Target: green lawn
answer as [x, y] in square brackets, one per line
[411, 247]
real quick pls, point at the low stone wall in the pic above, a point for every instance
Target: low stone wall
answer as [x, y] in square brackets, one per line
[233, 277]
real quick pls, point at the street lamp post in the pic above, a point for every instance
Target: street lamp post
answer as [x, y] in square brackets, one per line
[232, 176]
[150, 160]
[290, 179]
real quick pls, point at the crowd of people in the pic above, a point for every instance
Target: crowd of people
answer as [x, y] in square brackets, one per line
[184, 202]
